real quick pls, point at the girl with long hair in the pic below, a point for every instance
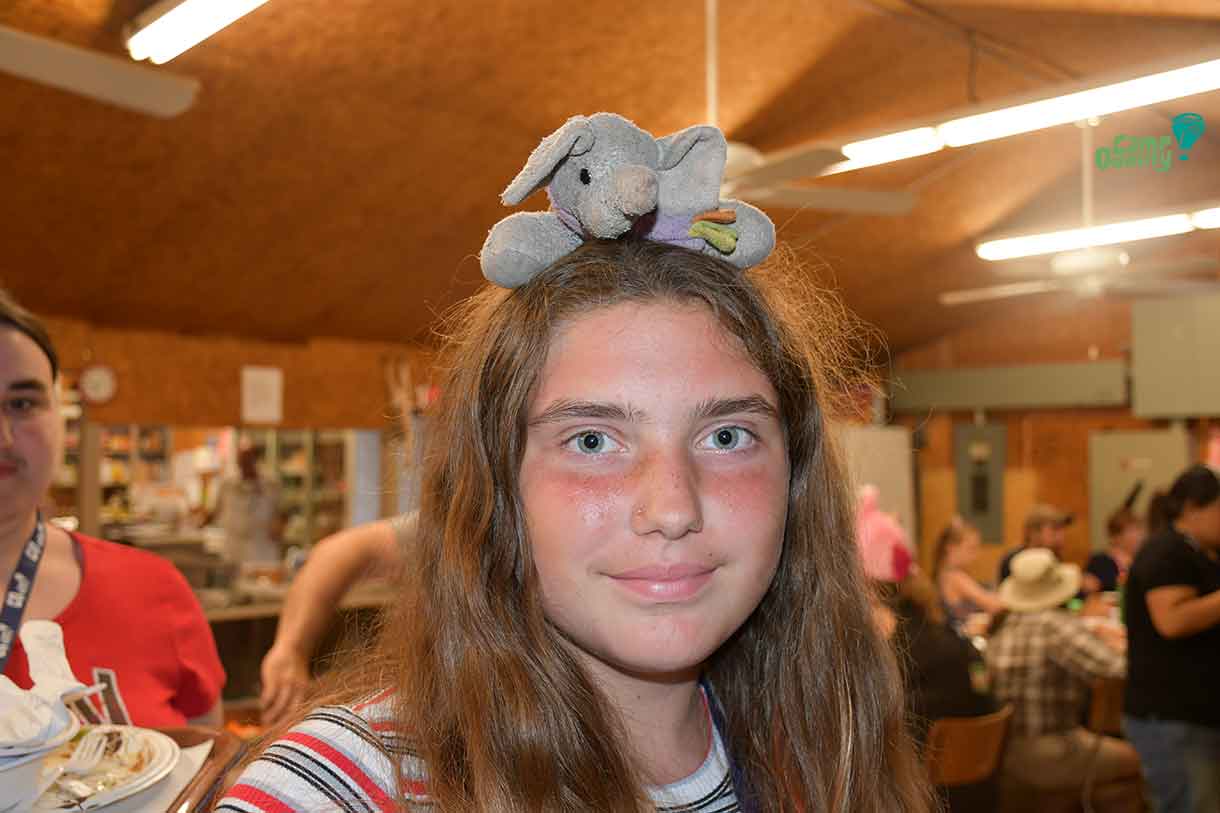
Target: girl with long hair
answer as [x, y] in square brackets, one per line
[635, 584]
[957, 547]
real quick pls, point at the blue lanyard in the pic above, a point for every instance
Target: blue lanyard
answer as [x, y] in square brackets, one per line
[741, 789]
[19, 587]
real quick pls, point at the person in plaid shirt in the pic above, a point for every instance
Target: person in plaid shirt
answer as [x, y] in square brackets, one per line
[1042, 660]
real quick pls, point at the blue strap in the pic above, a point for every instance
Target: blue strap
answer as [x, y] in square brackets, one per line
[741, 789]
[20, 584]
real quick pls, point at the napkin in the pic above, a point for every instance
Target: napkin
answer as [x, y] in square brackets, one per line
[29, 719]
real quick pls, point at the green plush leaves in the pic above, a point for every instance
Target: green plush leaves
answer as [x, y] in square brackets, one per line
[721, 237]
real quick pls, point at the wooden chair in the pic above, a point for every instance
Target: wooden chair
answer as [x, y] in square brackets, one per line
[1106, 707]
[965, 750]
[227, 750]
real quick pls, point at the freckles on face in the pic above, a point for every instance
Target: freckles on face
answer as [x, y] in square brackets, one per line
[655, 485]
[594, 498]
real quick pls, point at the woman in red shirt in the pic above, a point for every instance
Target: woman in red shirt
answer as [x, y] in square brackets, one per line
[129, 619]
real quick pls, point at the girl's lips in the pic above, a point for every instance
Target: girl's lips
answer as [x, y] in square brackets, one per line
[666, 583]
[8, 469]
[663, 573]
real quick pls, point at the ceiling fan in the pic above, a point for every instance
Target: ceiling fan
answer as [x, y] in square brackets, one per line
[1103, 271]
[113, 80]
[767, 179]
[1096, 272]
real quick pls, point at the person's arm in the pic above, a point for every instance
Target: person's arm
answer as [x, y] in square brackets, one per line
[983, 598]
[1086, 655]
[212, 718]
[200, 673]
[1090, 584]
[335, 564]
[209, 515]
[1178, 611]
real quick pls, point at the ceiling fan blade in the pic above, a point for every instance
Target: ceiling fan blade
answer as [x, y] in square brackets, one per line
[96, 75]
[862, 201]
[991, 293]
[1161, 287]
[788, 165]
[1193, 264]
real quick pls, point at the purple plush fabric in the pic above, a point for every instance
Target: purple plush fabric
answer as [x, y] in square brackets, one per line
[673, 229]
[571, 221]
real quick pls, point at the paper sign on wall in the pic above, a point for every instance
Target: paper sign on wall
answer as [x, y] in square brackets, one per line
[262, 395]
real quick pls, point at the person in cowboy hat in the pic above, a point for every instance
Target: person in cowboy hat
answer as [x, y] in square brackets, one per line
[1042, 660]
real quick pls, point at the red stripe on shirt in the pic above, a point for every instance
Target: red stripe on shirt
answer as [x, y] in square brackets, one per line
[262, 800]
[415, 789]
[379, 698]
[336, 758]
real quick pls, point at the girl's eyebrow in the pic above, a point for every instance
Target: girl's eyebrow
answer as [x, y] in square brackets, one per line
[27, 384]
[566, 409]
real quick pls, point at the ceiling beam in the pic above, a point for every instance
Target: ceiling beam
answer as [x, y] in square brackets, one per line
[1191, 9]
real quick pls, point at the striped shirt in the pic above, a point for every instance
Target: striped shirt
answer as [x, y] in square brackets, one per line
[336, 760]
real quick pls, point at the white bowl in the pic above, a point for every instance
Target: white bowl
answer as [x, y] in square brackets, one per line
[19, 785]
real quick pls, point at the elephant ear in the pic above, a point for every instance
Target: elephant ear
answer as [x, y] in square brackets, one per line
[575, 137]
[693, 163]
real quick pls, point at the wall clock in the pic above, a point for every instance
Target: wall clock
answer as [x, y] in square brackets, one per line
[97, 383]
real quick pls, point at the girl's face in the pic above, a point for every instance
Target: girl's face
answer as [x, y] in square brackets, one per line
[1131, 536]
[966, 550]
[655, 485]
[31, 429]
[1205, 523]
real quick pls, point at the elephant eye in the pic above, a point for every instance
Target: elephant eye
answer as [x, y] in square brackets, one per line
[585, 178]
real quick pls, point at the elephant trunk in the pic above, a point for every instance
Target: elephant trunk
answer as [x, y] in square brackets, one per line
[628, 193]
[634, 190]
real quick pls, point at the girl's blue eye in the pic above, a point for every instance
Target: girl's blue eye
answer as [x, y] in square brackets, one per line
[730, 438]
[592, 443]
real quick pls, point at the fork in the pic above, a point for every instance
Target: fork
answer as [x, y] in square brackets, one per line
[85, 757]
[87, 754]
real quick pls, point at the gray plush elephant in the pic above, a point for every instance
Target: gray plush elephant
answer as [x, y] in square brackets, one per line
[607, 177]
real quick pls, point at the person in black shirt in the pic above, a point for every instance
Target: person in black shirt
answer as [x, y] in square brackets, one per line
[1106, 568]
[1172, 606]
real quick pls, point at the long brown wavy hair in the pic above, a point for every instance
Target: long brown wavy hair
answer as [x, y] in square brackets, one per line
[503, 715]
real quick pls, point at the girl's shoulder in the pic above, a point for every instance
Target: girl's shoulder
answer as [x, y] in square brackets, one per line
[335, 756]
[954, 579]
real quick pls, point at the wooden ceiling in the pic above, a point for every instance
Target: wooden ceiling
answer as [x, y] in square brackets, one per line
[342, 164]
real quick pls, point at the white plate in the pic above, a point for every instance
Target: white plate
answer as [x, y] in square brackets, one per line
[50, 745]
[162, 753]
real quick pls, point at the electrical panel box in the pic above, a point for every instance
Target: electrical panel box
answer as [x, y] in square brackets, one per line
[979, 452]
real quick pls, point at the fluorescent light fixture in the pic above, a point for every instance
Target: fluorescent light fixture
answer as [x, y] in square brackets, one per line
[172, 26]
[1157, 83]
[1098, 101]
[1206, 219]
[1126, 231]
[886, 148]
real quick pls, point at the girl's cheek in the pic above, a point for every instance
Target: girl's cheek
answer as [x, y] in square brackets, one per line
[593, 498]
[747, 488]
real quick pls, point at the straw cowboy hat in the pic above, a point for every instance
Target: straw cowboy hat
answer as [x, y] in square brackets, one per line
[1039, 581]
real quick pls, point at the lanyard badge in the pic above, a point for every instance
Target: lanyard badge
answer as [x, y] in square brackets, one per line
[20, 585]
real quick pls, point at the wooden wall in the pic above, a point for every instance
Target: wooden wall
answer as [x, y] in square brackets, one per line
[1047, 460]
[195, 380]
[1047, 455]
